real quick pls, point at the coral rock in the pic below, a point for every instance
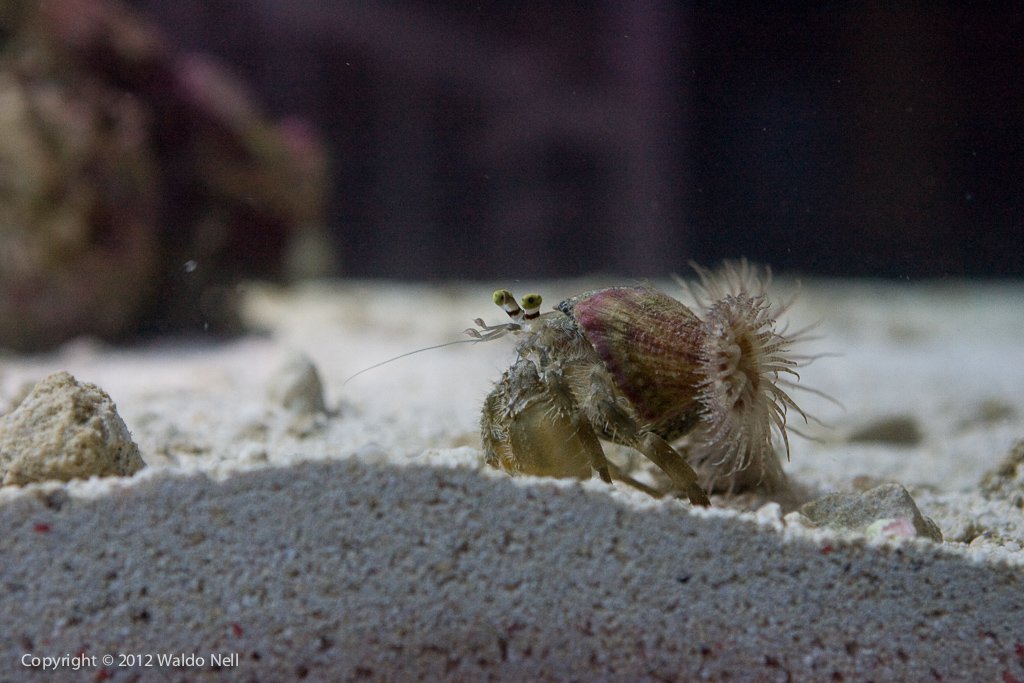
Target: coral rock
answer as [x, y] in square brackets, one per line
[1007, 479]
[139, 182]
[65, 430]
[860, 511]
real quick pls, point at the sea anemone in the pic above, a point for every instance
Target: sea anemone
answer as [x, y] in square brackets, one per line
[746, 364]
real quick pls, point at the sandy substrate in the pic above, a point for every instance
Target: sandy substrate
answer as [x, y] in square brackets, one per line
[369, 542]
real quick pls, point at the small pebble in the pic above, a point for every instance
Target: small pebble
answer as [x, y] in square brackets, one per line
[770, 514]
[297, 388]
[861, 511]
[1006, 480]
[900, 527]
[895, 430]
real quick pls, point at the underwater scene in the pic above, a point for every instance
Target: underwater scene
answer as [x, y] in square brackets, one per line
[494, 341]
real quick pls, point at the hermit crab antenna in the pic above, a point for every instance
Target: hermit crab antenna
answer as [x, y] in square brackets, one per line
[521, 319]
[476, 337]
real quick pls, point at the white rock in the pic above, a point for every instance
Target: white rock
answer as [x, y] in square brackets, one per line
[297, 388]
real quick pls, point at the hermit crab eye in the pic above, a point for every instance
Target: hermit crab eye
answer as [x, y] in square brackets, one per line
[532, 301]
[531, 306]
[504, 298]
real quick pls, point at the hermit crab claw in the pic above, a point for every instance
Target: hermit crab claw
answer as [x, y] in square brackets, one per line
[533, 425]
[530, 427]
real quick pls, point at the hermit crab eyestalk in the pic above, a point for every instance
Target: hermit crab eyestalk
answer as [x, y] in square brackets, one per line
[530, 309]
[531, 306]
[504, 299]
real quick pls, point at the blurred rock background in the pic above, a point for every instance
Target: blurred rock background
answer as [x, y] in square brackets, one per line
[489, 140]
[138, 182]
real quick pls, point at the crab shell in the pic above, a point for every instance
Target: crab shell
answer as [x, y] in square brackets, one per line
[650, 344]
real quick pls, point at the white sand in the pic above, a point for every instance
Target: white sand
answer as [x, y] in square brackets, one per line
[371, 543]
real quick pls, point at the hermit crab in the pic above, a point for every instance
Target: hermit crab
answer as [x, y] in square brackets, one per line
[636, 367]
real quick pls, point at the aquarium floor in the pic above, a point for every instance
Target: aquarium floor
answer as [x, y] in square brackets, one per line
[370, 542]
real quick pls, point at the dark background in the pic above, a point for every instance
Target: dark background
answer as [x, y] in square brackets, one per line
[501, 139]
